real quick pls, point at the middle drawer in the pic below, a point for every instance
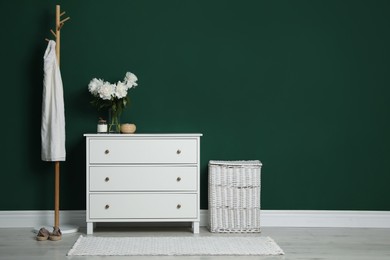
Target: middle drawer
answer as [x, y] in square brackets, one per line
[143, 178]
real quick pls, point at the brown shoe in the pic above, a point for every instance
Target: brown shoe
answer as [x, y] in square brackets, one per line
[43, 234]
[56, 235]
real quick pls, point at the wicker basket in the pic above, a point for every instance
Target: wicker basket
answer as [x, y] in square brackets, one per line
[234, 196]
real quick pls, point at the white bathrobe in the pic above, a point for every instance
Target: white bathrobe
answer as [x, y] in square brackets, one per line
[53, 114]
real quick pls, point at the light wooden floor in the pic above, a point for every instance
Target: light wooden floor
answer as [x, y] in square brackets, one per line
[297, 243]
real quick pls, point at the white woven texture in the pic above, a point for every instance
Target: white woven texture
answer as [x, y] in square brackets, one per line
[137, 246]
[236, 163]
[234, 196]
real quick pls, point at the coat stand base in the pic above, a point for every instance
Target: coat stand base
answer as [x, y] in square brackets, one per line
[65, 229]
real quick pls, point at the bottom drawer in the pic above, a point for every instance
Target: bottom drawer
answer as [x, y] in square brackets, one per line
[142, 205]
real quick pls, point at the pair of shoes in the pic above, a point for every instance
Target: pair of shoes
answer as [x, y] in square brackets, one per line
[44, 234]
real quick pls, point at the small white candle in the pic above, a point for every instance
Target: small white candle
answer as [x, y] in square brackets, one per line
[102, 128]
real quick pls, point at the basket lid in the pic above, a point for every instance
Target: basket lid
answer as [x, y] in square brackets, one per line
[237, 163]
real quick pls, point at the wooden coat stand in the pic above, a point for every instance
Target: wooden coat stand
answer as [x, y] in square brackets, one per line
[57, 35]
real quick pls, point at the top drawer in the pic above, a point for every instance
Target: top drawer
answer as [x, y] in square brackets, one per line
[143, 151]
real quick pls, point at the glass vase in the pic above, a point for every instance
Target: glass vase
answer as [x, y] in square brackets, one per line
[114, 126]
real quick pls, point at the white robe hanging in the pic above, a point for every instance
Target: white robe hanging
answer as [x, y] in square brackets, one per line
[53, 113]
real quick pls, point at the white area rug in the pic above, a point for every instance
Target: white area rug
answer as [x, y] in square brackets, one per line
[137, 246]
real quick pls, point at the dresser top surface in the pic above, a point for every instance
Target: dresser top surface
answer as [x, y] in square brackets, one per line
[146, 135]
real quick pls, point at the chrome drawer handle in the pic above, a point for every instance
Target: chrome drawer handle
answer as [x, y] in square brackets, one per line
[178, 206]
[107, 206]
[178, 151]
[178, 179]
[107, 151]
[106, 179]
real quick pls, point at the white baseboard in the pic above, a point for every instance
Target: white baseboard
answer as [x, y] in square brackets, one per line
[325, 218]
[269, 218]
[24, 218]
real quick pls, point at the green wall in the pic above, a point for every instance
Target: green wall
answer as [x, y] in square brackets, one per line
[302, 86]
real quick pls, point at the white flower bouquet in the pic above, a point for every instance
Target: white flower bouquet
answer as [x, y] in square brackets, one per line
[112, 96]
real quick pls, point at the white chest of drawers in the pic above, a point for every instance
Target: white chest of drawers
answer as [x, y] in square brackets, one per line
[142, 178]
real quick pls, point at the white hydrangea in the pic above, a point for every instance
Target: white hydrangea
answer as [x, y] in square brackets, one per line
[94, 86]
[106, 91]
[114, 93]
[131, 80]
[121, 90]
